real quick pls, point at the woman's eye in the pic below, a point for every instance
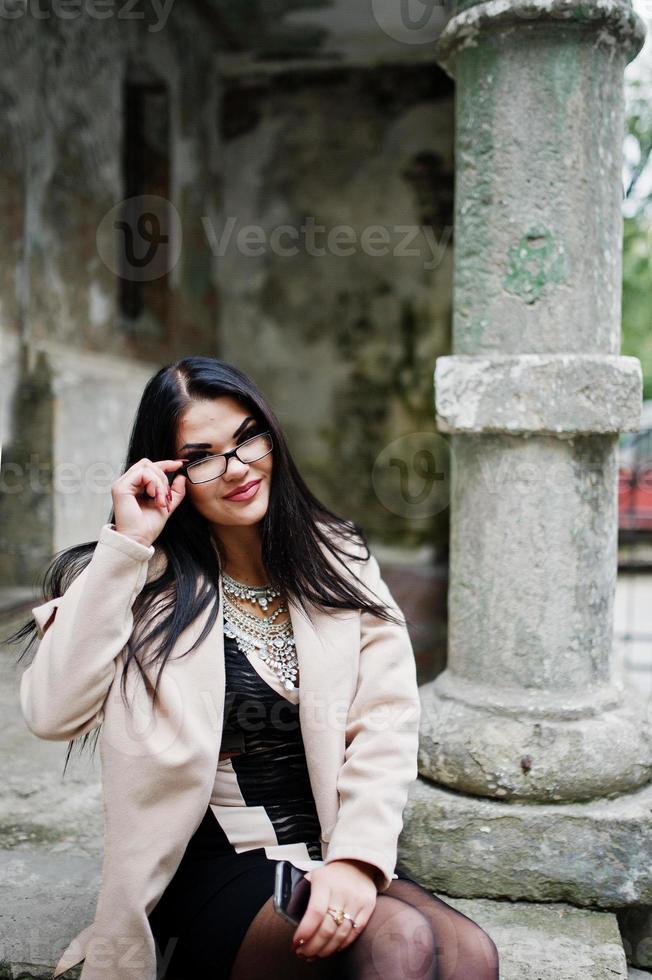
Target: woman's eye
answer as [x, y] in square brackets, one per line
[255, 430]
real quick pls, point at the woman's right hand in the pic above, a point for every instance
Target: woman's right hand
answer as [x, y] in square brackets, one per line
[143, 499]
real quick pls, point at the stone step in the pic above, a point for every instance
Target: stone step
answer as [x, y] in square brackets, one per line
[50, 864]
[50, 834]
[538, 941]
[48, 897]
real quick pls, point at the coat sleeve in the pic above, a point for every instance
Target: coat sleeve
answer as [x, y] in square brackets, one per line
[81, 633]
[382, 740]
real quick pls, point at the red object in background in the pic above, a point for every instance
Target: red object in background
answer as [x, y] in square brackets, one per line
[635, 499]
[635, 476]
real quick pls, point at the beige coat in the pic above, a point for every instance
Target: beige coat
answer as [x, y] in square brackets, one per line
[359, 714]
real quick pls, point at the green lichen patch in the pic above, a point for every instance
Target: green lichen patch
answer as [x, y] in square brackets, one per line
[537, 259]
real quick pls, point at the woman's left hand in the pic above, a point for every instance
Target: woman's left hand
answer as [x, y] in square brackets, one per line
[342, 884]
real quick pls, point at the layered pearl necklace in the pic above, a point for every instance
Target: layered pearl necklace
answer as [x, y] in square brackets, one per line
[273, 641]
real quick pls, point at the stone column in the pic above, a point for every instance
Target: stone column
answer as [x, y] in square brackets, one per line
[527, 712]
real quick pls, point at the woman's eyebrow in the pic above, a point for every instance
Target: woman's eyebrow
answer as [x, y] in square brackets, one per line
[208, 445]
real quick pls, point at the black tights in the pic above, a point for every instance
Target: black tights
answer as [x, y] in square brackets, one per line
[411, 935]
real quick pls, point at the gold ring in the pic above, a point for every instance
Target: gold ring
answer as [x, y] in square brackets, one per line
[339, 915]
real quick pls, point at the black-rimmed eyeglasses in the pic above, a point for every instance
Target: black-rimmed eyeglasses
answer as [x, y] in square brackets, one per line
[211, 467]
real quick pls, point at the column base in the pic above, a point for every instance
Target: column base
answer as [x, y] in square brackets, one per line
[588, 854]
[517, 746]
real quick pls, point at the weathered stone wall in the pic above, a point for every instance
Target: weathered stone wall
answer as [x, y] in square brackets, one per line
[334, 262]
[342, 331]
[73, 364]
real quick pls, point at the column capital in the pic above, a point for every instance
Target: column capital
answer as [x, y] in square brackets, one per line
[616, 21]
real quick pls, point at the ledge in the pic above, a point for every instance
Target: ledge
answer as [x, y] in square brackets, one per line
[552, 394]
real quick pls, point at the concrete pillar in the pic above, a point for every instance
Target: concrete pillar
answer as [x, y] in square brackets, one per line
[535, 394]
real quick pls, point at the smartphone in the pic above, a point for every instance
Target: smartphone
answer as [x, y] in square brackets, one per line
[291, 892]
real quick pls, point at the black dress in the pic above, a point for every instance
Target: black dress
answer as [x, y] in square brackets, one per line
[261, 811]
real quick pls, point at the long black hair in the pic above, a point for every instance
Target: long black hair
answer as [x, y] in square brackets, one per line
[293, 529]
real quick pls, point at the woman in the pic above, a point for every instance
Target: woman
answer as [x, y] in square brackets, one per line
[274, 711]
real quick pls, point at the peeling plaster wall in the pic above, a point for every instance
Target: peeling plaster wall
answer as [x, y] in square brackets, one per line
[343, 344]
[61, 83]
